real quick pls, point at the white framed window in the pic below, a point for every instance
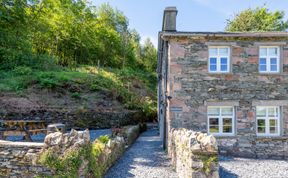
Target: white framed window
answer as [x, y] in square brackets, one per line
[269, 59]
[268, 120]
[221, 120]
[219, 59]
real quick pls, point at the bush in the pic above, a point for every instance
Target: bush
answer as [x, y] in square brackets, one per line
[104, 139]
[22, 70]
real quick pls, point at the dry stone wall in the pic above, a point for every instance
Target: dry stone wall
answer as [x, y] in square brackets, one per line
[191, 88]
[194, 154]
[28, 159]
[92, 119]
[19, 159]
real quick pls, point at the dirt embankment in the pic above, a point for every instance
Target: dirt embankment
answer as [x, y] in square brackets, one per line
[89, 109]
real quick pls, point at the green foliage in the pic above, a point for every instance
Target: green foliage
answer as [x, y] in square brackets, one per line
[23, 70]
[207, 161]
[259, 19]
[148, 56]
[76, 95]
[104, 139]
[66, 166]
[66, 32]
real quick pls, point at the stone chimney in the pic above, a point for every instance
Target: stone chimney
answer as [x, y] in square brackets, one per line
[169, 19]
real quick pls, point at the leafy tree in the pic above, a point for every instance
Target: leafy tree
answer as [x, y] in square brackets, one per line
[149, 55]
[259, 19]
[69, 32]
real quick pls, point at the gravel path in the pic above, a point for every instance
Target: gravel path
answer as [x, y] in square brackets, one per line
[145, 159]
[252, 168]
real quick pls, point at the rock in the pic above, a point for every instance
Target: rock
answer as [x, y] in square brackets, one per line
[53, 139]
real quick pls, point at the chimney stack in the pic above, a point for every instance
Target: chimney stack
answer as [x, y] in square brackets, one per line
[169, 19]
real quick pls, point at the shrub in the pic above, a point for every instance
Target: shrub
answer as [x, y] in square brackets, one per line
[22, 70]
[104, 139]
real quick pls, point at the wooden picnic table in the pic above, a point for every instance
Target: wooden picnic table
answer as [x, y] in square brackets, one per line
[24, 128]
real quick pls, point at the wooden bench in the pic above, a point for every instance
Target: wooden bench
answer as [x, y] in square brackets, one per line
[24, 128]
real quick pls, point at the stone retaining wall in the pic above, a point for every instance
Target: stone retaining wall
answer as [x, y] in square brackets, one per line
[194, 154]
[18, 159]
[91, 119]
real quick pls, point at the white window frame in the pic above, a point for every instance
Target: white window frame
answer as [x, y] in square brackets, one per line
[268, 59]
[267, 118]
[220, 117]
[218, 59]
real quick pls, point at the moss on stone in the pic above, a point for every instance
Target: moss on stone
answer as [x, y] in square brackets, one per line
[208, 160]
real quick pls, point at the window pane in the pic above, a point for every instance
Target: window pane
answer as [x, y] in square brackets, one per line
[261, 123]
[261, 129]
[262, 61]
[213, 67]
[213, 121]
[272, 122]
[227, 121]
[227, 129]
[214, 129]
[213, 111]
[224, 60]
[273, 61]
[273, 130]
[262, 68]
[227, 111]
[213, 52]
[273, 68]
[263, 51]
[261, 112]
[213, 60]
[224, 68]
[223, 51]
[273, 51]
[271, 112]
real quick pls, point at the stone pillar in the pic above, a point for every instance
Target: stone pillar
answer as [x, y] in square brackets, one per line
[169, 19]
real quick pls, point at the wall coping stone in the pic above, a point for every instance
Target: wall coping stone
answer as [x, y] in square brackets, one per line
[20, 144]
[221, 103]
[269, 102]
[270, 43]
[220, 43]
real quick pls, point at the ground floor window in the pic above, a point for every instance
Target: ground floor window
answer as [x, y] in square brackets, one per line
[221, 120]
[268, 120]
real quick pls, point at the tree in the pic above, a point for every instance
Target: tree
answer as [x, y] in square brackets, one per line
[259, 19]
[149, 55]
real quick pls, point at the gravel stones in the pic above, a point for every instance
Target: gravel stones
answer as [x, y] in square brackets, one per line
[252, 168]
[144, 159]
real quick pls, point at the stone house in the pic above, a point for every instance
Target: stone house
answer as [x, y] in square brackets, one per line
[231, 85]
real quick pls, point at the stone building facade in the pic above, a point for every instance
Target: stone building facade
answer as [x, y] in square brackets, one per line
[231, 85]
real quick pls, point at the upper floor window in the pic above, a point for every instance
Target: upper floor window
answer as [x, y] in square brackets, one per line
[268, 121]
[221, 120]
[219, 59]
[269, 59]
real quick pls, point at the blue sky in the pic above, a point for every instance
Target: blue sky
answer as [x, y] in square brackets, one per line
[193, 15]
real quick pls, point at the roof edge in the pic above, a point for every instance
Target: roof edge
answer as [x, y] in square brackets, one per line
[223, 34]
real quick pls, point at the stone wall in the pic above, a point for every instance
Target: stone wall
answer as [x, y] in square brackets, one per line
[194, 154]
[191, 88]
[19, 159]
[92, 119]
[27, 159]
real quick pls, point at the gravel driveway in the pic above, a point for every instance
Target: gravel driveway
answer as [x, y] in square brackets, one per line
[252, 168]
[145, 159]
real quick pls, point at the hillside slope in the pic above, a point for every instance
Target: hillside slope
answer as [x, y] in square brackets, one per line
[85, 96]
